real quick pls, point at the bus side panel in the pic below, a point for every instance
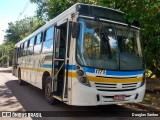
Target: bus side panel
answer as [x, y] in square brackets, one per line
[44, 65]
[27, 69]
[71, 69]
[35, 61]
[21, 66]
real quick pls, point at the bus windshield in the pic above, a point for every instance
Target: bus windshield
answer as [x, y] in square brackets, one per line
[109, 46]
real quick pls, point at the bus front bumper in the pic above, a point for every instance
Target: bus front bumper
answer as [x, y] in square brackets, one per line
[89, 96]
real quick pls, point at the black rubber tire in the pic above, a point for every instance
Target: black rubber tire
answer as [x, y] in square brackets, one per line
[48, 92]
[20, 81]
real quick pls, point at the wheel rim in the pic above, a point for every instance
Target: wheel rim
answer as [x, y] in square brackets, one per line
[48, 89]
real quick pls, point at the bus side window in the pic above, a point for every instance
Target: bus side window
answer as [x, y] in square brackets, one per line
[25, 48]
[30, 47]
[22, 49]
[38, 43]
[48, 40]
[28, 42]
[19, 51]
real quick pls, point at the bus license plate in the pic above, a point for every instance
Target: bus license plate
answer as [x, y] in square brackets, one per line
[119, 97]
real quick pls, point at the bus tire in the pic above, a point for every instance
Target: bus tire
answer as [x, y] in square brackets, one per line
[48, 91]
[20, 81]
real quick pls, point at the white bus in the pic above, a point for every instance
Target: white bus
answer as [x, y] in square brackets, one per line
[88, 55]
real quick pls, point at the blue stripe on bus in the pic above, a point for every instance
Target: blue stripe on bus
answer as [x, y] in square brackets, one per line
[70, 67]
[46, 66]
[124, 73]
[115, 73]
[92, 70]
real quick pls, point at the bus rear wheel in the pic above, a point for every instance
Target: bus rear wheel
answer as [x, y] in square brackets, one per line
[48, 91]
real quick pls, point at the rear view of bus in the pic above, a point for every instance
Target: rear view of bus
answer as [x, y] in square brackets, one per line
[109, 63]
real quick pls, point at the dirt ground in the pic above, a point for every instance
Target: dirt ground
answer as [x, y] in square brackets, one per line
[152, 96]
[153, 85]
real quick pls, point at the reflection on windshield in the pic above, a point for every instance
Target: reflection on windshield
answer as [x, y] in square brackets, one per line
[108, 46]
[47, 46]
[37, 49]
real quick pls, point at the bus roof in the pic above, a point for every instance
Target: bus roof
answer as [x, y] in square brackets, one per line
[63, 16]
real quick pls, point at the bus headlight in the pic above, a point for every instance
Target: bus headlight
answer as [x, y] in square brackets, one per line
[84, 81]
[82, 78]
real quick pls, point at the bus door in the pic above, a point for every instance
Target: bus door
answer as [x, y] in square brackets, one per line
[61, 60]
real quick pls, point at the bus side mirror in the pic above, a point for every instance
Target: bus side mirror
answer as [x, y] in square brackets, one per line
[75, 30]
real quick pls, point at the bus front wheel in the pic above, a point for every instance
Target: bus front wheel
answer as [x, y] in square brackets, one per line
[48, 91]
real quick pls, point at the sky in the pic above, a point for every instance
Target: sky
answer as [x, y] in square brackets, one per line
[9, 12]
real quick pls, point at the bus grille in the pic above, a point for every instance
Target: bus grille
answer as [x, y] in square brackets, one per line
[115, 87]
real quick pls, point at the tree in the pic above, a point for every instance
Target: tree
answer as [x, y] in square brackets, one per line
[20, 29]
[6, 50]
[17, 31]
[48, 9]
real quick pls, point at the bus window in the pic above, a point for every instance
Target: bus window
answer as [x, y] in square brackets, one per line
[38, 43]
[22, 45]
[28, 42]
[48, 41]
[30, 48]
[25, 48]
[39, 38]
[18, 50]
[21, 50]
[49, 34]
[31, 42]
[25, 45]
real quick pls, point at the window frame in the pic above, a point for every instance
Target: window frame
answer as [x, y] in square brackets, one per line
[32, 38]
[50, 39]
[36, 44]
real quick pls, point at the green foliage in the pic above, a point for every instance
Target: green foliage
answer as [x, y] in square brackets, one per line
[17, 31]
[6, 49]
[20, 29]
[49, 9]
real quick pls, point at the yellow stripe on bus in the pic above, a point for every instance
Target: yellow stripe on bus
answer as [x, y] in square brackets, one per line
[36, 69]
[114, 80]
[108, 80]
[93, 78]
[71, 74]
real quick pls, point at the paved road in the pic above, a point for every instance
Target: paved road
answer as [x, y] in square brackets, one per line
[28, 98]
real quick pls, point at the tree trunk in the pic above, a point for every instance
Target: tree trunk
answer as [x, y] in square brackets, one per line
[153, 72]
